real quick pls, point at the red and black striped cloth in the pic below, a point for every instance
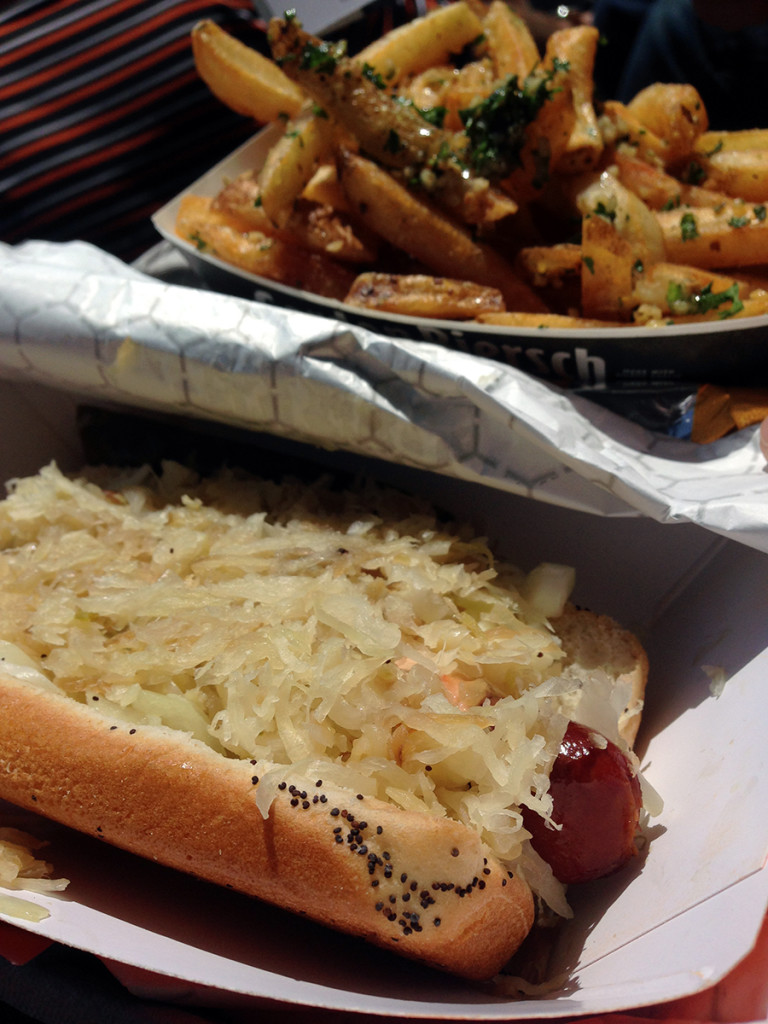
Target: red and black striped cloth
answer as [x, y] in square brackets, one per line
[103, 117]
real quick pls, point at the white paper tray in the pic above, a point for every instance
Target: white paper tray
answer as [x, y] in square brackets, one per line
[674, 925]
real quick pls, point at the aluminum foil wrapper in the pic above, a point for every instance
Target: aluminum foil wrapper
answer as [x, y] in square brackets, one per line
[74, 318]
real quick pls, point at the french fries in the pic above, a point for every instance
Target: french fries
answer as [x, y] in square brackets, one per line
[674, 113]
[575, 48]
[220, 234]
[733, 234]
[393, 134]
[311, 225]
[422, 295]
[241, 78]
[422, 43]
[452, 170]
[733, 162]
[659, 190]
[291, 163]
[406, 220]
[510, 43]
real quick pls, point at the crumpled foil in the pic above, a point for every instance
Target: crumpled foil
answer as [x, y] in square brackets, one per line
[73, 317]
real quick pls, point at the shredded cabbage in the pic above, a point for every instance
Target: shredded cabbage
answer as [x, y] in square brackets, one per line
[20, 869]
[348, 636]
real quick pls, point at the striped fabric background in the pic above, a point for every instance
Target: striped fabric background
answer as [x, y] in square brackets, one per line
[103, 117]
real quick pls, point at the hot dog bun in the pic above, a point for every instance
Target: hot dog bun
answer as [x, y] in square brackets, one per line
[593, 642]
[420, 885]
[359, 701]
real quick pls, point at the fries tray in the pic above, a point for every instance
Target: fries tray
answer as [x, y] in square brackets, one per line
[726, 352]
[674, 924]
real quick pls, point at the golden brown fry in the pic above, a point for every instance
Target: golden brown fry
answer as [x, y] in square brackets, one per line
[734, 234]
[511, 46]
[318, 228]
[221, 235]
[393, 134]
[724, 141]
[606, 274]
[673, 112]
[673, 289]
[755, 304]
[451, 89]
[537, 321]
[623, 131]
[628, 215]
[422, 295]
[242, 78]
[659, 190]
[423, 42]
[549, 264]
[546, 139]
[325, 189]
[291, 163]
[554, 272]
[734, 162]
[739, 172]
[467, 86]
[428, 89]
[419, 229]
[577, 47]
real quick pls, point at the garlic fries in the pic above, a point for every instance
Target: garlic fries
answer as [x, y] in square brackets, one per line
[453, 171]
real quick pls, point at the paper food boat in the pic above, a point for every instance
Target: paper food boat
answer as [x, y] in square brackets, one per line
[729, 352]
[673, 925]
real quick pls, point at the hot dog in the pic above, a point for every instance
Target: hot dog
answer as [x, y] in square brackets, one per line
[597, 802]
[331, 702]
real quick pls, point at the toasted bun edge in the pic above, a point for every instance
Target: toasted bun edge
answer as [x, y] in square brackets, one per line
[422, 886]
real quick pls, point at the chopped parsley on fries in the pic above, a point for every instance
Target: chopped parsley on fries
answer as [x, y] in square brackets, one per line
[451, 170]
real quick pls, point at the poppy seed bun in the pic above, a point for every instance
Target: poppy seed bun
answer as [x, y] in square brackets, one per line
[328, 700]
[417, 884]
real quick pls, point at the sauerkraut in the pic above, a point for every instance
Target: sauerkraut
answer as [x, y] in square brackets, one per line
[348, 636]
[21, 869]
